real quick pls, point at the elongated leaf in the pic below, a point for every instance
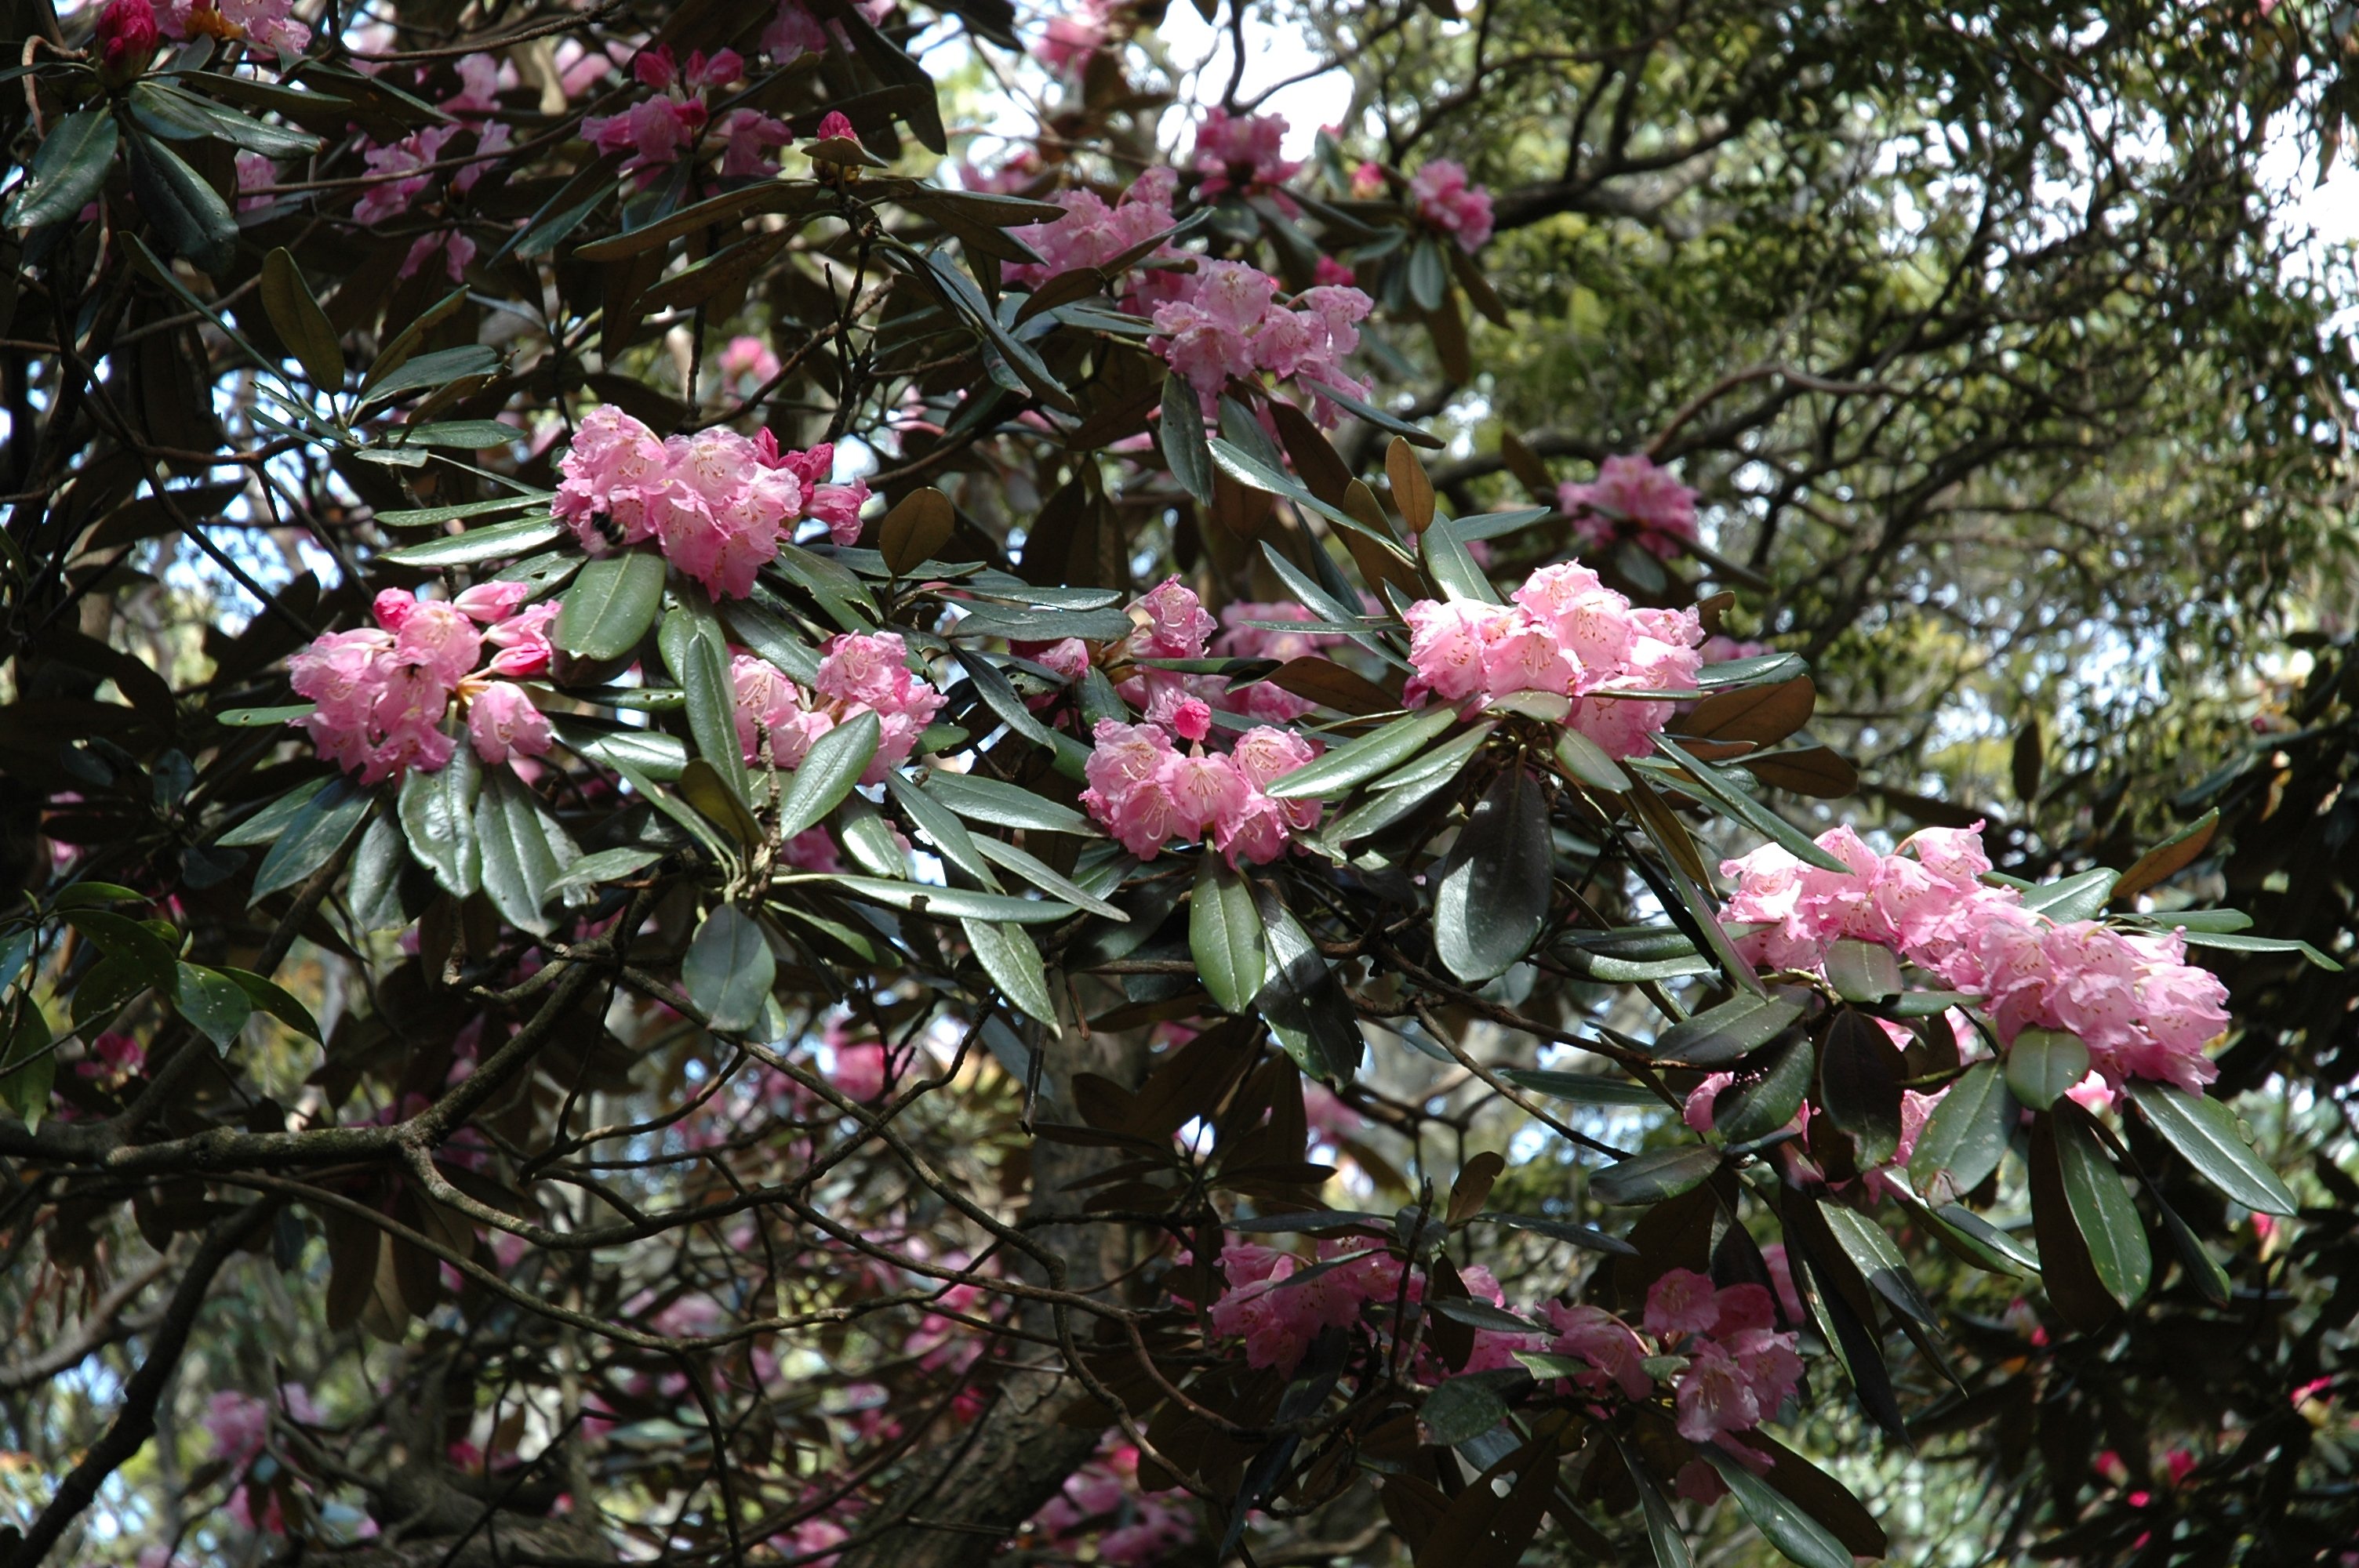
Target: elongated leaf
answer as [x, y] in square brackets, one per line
[2043, 1063]
[1756, 1107]
[1309, 1015]
[188, 213]
[1224, 935]
[2230, 942]
[1663, 1532]
[2107, 1218]
[1862, 971]
[833, 766]
[498, 542]
[437, 817]
[523, 849]
[1181, 436]
[1983, 1244]
[1589, 762]
[1965, 1136]
[712, 710]
[918, 524]
[729, 969]
[941, 824]
[1493, 887]
[1454, 568]
[301, 325]
[422, 373]
[312, 834]
[1786, 1524]
[217, 1005]
[1460, 1410]
[2075, 898]
[1006, 805]
[1012, 959]
[1355, 761]
[1656, 1174]
[1859, 1085]
[1879, 1262]
[28, 1068]
[68, 169]
[2203, 1133]
[611, 604]
[120, 936]
[604, 866]
[1585, 1236]
[1582, 1088]
[1736, 1028]
[936, 903]
[1735, 802]
[1045, 877]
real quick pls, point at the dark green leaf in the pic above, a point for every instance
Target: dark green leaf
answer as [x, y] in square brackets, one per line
[712, 707]
[1788, 1527]
[317, 830]
[1045, 877]
[1224, 935]
[421, 373]
[611, 604]
[1586, 1236]
[1183, 439]
[186, 212]
[68, 169]
[301, 325]
[1862, 971]
[1460, 1410]
[2203, 1132]
[1736, 1028]
[1758, 1105]
[2075, 898]
[2044, 1063]
[437, 817]
[28, 1068]
[937, 902]
[2101, 1209]
[1307, 1008]
[2228, 942]
[1859, 1085]
[1965, 1136]
[1656, 1174]
[728, 971]
[268, 996]
[1733, 801]
[213, 1001]
[120, 936]
[492, 543]
[604, 866]
[1012, 959]
[1493, 887]
[1582, 1088]
[1879, 1262]
[1006, 805]
[523, 849]
[1379, 751]
[829, 769]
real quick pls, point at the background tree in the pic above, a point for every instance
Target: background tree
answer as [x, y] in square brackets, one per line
[710, 1041]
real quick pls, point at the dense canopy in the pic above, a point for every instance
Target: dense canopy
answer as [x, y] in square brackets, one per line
[866, 782]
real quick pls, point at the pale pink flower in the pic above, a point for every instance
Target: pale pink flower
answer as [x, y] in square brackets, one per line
[1445, 200]
[1245, 155]
[503, 722]
[1631, 492]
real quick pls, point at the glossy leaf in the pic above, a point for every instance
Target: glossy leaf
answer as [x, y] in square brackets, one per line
[1965, 1136]
[1379, 751]
[1784, 1524]
[610, 605]
[301, 325]
[496, 542]
[1859, 1085]
[217, 1005]
[1006, 805]
[2203, 1132]
[67, 170]
[1656, 1174]
[2042, 1063]
[438, 818]
[1755, 1106]
[937, 902]
[1736, 1028]
[829, 769]
[1493, 887]
[1224, 935]
[316, 831]
[728, 971]
[2101, 1209]
[523, 850]
[1181, 435]
[1307, 1011]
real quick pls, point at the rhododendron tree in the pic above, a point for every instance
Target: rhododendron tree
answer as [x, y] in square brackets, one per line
[733, 841]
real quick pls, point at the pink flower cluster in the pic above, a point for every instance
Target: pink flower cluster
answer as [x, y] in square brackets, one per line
[1278, 1321]
[1740, 1368]
[2132, 997]
[657, 131]
[1447, 201]
[381, 692]
[1074, 37]
[857, 675]
[1232, 324]
[1148, 794]
[716, 503]
[264, 22]
[1630, 493]
[1568, 634]
[1091, 233]
[1101, 1504]
[1244, 154]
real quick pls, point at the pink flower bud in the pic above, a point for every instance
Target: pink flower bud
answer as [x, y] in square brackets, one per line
[126, 41]
[655, 68]
[1193, 721]
[837, 126]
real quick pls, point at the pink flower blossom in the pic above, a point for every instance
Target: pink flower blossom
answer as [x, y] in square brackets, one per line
[1445, 200]
[503, 723]
[837, 505]
[1277, 1325]
[614, 468]
[403, 168]
[1243, 155]
[1073, 37]
[856, 675]
[266, 22]
[2132, 997]
[793, 33]
[1630, 493]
